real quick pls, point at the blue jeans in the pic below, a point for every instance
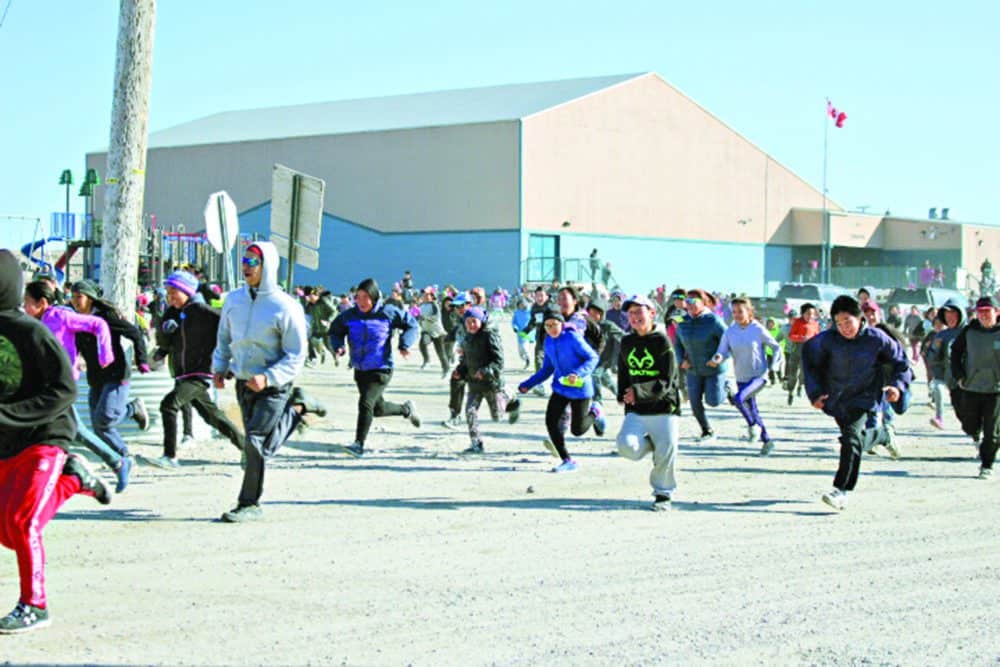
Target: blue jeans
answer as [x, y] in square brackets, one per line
[89, 439]
[708, 388]
[109, 406]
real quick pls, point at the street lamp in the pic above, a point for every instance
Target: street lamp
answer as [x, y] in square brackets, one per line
[90, 181]
[66, 178]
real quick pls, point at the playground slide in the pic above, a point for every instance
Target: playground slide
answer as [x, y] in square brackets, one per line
[28, 250]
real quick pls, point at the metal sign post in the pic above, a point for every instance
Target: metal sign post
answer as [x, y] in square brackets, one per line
[222, 226]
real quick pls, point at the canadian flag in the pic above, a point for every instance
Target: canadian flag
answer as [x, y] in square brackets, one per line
[838, 116]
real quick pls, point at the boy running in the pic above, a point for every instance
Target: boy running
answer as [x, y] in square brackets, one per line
[648, 386]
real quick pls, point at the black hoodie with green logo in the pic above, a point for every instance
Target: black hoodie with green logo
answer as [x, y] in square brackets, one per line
[648, 365]
[36, 383]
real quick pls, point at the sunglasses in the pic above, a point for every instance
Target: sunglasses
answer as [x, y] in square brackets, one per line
[692, 299]
[252, 262]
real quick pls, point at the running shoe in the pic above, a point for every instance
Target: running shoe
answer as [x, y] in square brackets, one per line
[163, 463]
[188, 441]
[937, 423]
[767, 447]
[706, 436]
[661, 503]
[751, 433]
[473, 449]
[123, 473]
[551, 448]
[140, 414]
[890, 441]
[986, 473]
[309, 404]
[24, 618]
[569, 465]
[242, 514]
[410, 412]
[453, 422]
[790, 398]
[90, 483]
[539, 390]
[836, 499]
[355, 449]
[600, 423]
[514, 411]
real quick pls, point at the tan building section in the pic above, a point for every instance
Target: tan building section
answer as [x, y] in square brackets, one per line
[641, 159]
[424, 179]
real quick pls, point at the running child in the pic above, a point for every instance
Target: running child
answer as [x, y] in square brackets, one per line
[747, 341]
[481, 366]
[570, 361]
[802, 329]
[648, 387]
[843, 369]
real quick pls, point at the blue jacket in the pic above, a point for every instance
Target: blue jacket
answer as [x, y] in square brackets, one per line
[520, 321]
[566, 355]
[697, 340]
[370, 334]
[850, 371]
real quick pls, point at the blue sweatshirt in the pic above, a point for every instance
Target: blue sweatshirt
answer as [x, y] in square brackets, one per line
[568, 354]
[370, 334]
[697, 340]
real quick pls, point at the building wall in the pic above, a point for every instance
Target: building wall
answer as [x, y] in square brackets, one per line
[979, 243]
[641, 159]
[425, 179]
[639, 264]
[351, 252]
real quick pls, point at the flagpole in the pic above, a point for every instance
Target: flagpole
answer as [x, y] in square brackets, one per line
[825, 254]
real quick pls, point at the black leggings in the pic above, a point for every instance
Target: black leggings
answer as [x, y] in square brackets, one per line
[580, 421]
[371, 385]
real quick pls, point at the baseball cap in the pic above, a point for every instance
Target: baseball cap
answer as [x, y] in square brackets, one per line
[637, 300]
[986, 303]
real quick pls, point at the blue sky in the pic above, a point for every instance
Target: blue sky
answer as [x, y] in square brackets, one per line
[918, 80]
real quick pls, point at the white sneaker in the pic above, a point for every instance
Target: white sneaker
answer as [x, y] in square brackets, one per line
[890, 442]
[836, 499]
[551, 448]
[986, 473]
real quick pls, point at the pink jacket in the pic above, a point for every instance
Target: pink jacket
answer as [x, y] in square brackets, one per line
[65, 323]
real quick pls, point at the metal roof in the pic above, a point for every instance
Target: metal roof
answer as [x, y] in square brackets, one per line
[450, 107]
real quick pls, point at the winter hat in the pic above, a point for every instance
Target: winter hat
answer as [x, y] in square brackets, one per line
[986, 303]
[459, 300]
[553, 314]
[369, 286]
[871, 306]
[597, 303]
[182, 281]
[87, 288]
[475, 312]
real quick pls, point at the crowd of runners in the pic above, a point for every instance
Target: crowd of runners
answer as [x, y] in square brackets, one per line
[652, 353]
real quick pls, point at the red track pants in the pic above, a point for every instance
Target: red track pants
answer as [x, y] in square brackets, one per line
[32, 488]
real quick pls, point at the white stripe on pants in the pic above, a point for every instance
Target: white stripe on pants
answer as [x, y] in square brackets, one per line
[662, 432]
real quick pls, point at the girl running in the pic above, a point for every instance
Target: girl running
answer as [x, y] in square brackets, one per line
[570, 361]
[65, 323]
[698, 337]
[747, 341]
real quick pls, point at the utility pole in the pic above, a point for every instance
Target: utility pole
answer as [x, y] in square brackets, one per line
[126, 171]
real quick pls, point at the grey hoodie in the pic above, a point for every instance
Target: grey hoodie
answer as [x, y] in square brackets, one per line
[263, 332]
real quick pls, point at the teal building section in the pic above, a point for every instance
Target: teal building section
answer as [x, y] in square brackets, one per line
[350, 252]
[641, 263]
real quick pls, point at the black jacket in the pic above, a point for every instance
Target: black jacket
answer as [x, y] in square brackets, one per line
[188, 336]
[648, 365]
[118, 370]
[36, 382]
[482, 352]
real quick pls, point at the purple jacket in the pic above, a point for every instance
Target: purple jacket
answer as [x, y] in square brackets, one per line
[65, 323]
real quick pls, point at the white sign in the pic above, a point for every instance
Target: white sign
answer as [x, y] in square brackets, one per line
[309, 218]
[307, 257]
[222, 223]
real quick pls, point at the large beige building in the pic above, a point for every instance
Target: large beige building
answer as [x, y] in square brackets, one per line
[499, 185]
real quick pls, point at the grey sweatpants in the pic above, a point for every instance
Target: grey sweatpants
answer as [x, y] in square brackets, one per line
[641, 434]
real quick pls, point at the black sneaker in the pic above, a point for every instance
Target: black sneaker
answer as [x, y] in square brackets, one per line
[89, 481]
[660, 503]
[514, 411]
[24, 618]
[140, 415]
[410, 410]
[355, 449]
[474, 449]
[242, 514]
[308, 403]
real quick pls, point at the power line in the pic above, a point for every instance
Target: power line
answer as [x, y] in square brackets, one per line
[6, 9]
